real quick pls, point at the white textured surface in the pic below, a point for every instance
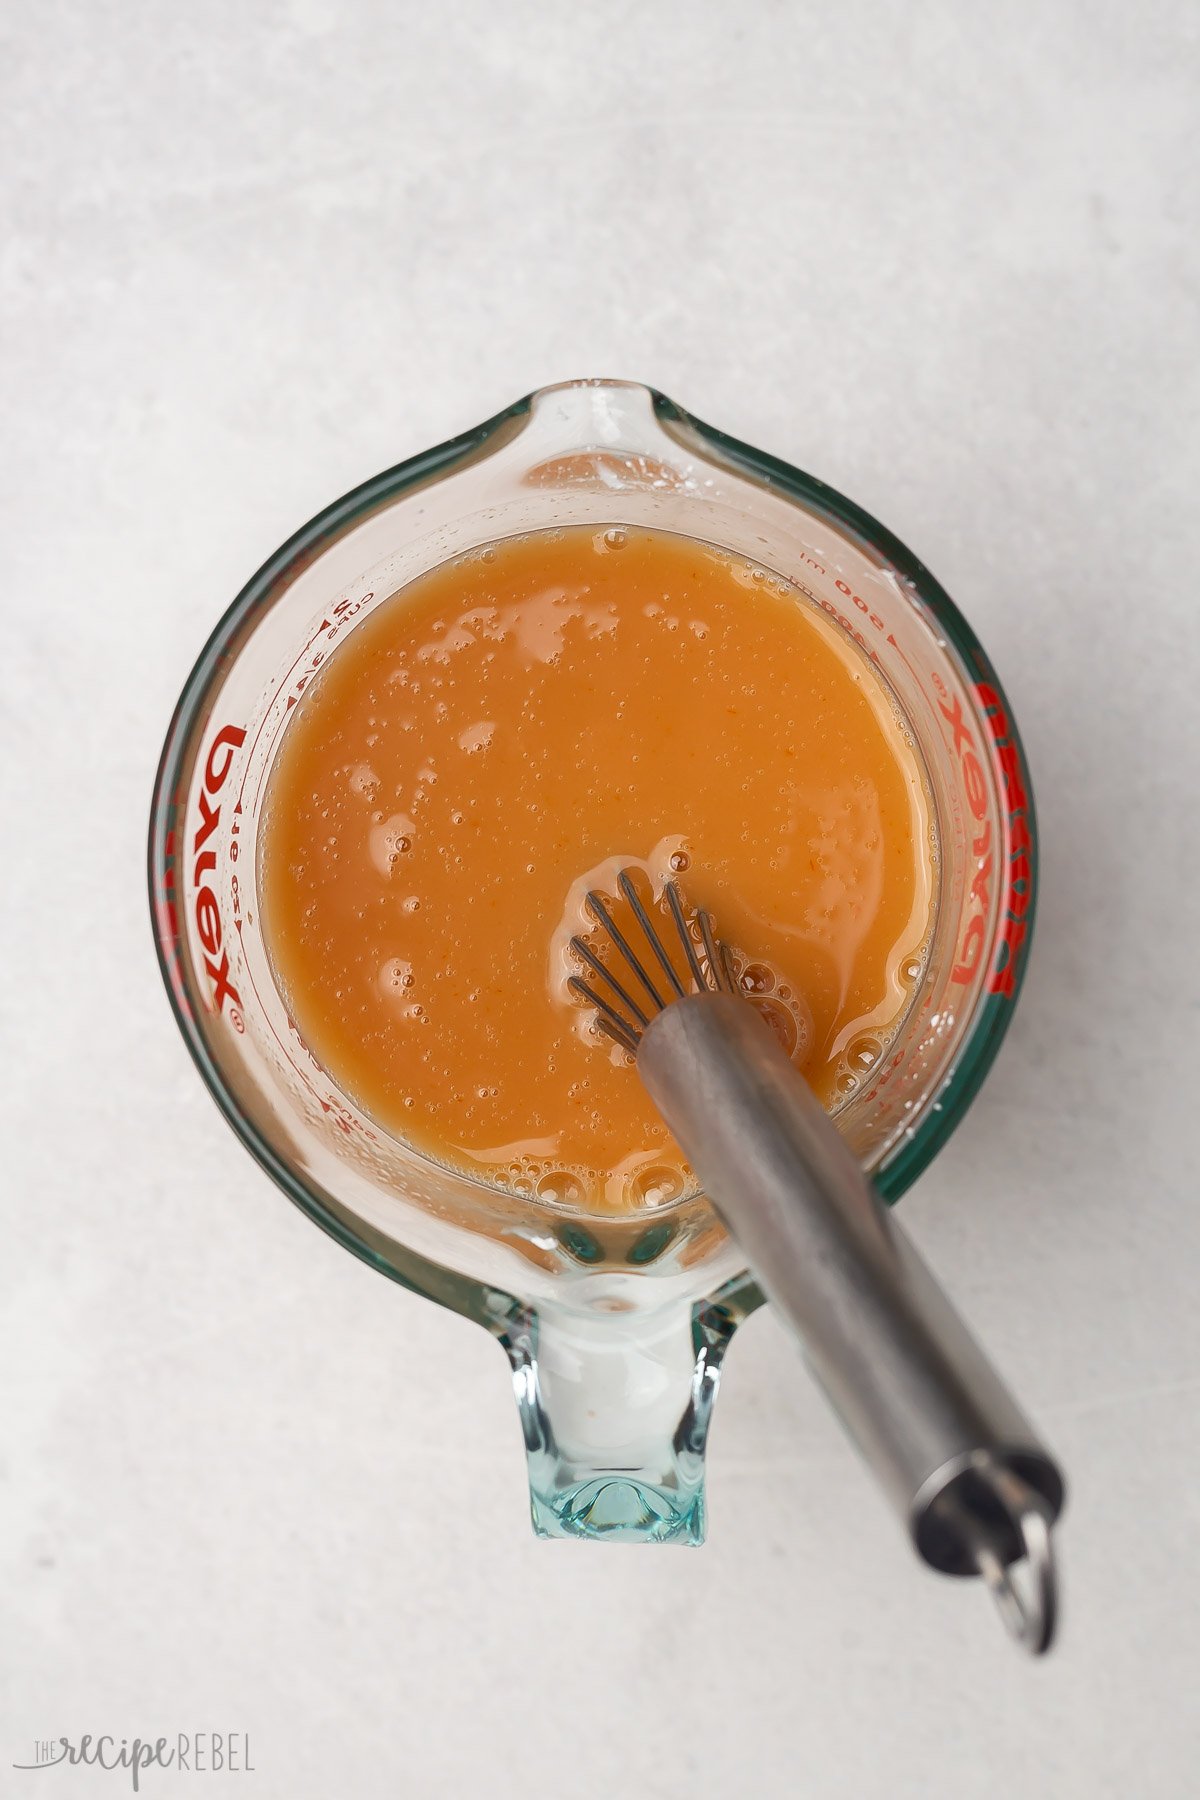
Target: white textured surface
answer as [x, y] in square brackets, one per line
[254, 253]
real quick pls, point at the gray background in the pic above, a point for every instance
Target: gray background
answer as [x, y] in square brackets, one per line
[255, 253]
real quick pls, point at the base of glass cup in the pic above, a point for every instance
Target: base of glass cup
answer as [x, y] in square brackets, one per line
[619, 1509]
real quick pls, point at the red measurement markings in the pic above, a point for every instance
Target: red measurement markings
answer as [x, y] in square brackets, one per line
[874, 620]
[849, 626]
[345, 610]
[340, 615]
[168, 920]
[167, 901]
[235, 898]
[270, 1022]
[1015, 850]
[281, 687]
[263, 772]
[898, 1105]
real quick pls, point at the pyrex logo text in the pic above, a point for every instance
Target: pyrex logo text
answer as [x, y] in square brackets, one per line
[1014, 923]
[1018, 842]
[206, 911]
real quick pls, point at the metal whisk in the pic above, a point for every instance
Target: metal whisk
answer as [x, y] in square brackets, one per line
[955, 1455]
[626, 1029]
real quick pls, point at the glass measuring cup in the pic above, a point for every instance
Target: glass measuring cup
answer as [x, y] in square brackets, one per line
[614, 1327]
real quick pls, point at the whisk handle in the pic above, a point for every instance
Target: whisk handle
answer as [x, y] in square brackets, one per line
[957, 1458]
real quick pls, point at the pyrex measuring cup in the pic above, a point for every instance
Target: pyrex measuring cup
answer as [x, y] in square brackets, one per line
[615, 1327]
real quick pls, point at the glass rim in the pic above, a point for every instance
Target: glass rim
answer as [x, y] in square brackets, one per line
[993, 1012]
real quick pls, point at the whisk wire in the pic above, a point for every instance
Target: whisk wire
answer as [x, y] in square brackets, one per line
[719, 972]
[716, 963]
[610, 1019]
[593, 962]
[685, 936]
[626, 886]
[603, 918]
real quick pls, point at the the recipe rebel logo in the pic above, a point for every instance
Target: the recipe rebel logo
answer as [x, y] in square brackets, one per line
[199, 1753]
[205, 907]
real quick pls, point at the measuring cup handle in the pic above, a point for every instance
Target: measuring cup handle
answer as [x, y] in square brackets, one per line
[615, 1409]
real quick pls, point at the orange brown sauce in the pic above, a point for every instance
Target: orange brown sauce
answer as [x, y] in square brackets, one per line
[514, 725]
